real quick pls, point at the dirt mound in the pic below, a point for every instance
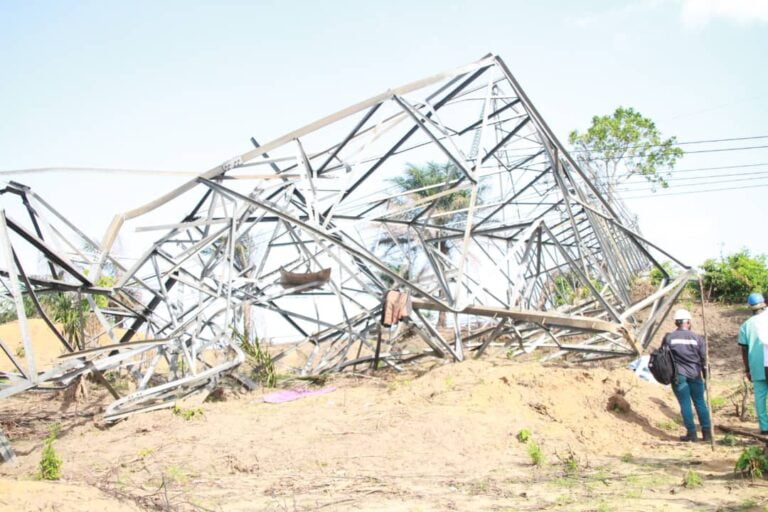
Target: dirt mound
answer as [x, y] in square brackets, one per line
[561, 406]
[16, 496]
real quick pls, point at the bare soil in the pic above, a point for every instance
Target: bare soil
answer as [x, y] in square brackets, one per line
[439, 437]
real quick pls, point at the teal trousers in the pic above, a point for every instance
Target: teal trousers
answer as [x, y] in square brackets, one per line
[761, 394]
[689, 390]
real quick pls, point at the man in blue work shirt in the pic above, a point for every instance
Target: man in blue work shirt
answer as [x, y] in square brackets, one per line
[689, 353]
[753, 338]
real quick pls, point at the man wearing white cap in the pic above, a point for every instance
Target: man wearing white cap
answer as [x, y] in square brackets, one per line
[689, 351]
[753, 338]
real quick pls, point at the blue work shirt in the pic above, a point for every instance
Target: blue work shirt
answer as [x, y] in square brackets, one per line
[754, 335]
[689, 351]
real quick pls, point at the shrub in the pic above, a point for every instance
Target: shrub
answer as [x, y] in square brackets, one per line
[50, 462]
[728, 440]
[752, 463]
[733, 277]
[655, 275]
[524, 435]
[264, 369]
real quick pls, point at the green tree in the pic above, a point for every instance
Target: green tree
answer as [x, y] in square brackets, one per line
[732, 278]
[626, 144]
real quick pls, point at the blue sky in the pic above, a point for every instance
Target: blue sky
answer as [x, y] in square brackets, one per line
[183, 85]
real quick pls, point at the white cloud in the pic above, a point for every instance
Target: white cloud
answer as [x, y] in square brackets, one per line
[618, 13]
[697, 13]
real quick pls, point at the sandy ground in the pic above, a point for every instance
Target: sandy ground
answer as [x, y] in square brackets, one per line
[45, 346]
[439, 437]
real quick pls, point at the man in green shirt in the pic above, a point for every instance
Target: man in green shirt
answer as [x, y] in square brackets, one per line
[753, 338]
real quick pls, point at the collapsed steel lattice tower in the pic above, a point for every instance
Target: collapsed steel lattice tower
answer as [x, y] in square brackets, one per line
[533, 251]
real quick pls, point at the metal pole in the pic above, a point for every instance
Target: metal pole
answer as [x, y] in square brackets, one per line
[709, 373]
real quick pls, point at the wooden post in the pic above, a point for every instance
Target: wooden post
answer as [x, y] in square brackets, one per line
[709, 373]
[378, 348]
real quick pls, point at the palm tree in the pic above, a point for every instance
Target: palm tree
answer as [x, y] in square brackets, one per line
[429, 180]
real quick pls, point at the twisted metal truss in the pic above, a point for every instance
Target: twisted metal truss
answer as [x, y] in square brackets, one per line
[532, 254]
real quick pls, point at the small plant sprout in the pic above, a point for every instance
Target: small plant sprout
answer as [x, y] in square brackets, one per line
[571, 465]
[570, 462]
[535, 453]
[524, 435]
[692, 479]
[50, 462]
[188, 414]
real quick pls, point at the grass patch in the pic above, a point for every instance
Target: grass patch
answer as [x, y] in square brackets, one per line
[600, 474]
[628, 458]
[188, 414]
[175, 474]
[604, 507]
[50, 462]
[718, 403]
[728, 440]
[668, 425]
[744, 506]
[145, 452]
[567, 482]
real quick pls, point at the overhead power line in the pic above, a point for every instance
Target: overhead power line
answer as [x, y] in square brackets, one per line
[696, 179]
[687, 142]
[722, 189]
[698, 169]
[701, 184]
[718, 150]
[681, 143]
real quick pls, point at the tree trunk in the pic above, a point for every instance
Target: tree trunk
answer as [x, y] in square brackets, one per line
[247, 321]
[442, 321]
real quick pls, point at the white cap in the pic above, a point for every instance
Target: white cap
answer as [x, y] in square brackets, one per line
[682, 314]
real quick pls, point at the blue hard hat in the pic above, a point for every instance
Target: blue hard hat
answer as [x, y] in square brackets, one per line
[755, 298]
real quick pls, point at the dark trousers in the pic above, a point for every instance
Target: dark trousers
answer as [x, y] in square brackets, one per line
[687, 390]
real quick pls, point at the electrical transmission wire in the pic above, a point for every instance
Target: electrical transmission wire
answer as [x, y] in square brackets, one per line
[696, 179]
[684, 143]
[721, 189]
[619, 189]
[696, 169]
